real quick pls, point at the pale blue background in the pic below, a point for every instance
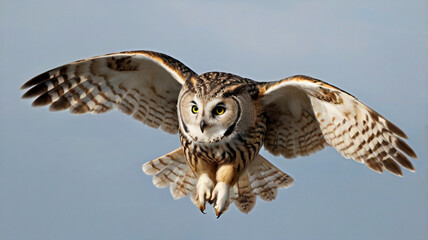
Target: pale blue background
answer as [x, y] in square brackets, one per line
[79, 177]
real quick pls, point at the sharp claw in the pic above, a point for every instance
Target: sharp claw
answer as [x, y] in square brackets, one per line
[202, 209]
[217, 213]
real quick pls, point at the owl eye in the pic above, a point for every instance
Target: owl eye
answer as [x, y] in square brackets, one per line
[195, 109]
[219, 110]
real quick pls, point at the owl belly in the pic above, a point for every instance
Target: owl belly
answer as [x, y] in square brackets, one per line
[239, 151]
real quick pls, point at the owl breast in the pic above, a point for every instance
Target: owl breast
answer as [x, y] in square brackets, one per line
[239, 148]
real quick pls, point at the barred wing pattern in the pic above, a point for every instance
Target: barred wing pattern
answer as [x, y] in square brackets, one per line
[306, 114]
[143, 84]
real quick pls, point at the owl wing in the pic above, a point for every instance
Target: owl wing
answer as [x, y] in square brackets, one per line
[143, 84]
[306, 114]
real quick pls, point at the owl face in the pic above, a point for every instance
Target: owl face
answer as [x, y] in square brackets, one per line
[208, 119]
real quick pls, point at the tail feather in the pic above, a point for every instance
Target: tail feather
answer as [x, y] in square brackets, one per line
[182, 186]
[266, 179]
[261, 178]
[243, 195]
[172, 170]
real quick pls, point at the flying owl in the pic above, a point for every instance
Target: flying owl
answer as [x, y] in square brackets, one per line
[223, 120]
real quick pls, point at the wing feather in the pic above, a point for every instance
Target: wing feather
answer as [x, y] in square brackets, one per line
[306, 114]
[142, 84]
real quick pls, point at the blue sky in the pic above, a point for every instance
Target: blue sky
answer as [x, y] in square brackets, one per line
[64, 176]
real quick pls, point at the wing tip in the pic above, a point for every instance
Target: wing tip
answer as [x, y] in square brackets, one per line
[288, 183]
[28, 84]
[42, 100]
[35, 91]
[392, 167]
[147, 168]
[393, 128]
[404, 147]
[24, 86]
[36, 80]
[59, 105]
[27, 95]
[374, 165]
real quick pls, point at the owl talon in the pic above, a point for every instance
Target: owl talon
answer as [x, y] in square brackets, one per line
[200, 204]
[202, 209]
[218, 214]
[220, 197]
[204, 188]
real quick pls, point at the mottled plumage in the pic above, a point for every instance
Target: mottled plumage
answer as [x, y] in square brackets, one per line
[223, 120]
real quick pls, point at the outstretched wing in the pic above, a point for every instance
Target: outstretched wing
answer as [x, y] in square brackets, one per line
[143, 84]
[306, 114]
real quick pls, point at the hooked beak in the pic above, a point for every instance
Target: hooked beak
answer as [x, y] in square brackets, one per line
[203, 125]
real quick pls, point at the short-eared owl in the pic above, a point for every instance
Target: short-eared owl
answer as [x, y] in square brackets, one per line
[223, 120]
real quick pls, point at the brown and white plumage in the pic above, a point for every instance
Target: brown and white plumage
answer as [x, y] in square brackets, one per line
[317, 114]
[223, 121]
[142, 84]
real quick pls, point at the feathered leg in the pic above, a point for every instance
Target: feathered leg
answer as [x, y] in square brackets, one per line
[226, 176]
[205, 185]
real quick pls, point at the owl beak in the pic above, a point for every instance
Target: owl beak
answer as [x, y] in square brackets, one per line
[203, 125]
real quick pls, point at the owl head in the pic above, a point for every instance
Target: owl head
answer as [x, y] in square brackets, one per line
[212, 108]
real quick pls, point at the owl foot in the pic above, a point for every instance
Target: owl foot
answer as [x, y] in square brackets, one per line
[204, 188]
[220, 197]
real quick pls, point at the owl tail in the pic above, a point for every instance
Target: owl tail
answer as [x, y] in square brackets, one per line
[261, 178]
[173, 170]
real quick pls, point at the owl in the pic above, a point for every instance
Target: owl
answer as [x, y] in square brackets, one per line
[223, 120]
